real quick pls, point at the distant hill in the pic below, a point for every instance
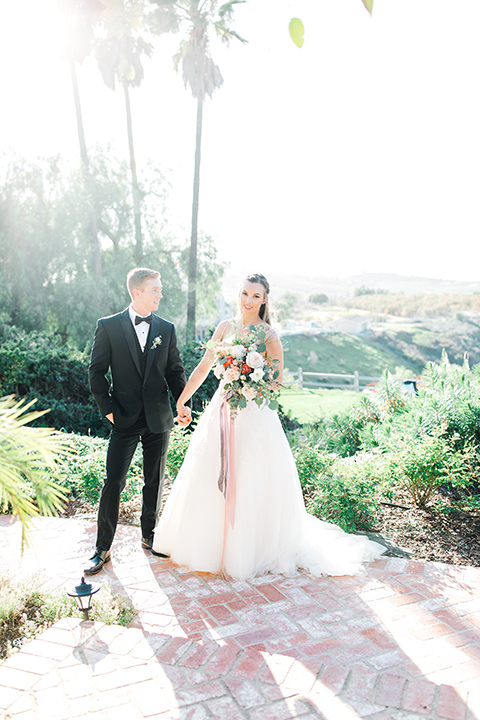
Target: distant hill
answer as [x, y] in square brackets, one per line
[335, 287]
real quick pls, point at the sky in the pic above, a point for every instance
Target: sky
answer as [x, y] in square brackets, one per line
[359, 152]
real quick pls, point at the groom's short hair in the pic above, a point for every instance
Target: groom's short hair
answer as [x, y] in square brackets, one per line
[137, 277]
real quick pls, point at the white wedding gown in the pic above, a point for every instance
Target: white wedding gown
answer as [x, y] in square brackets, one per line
[272, 531]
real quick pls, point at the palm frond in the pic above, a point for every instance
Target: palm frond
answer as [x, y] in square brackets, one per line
[201, 17]
[226, 34]
[29, 464]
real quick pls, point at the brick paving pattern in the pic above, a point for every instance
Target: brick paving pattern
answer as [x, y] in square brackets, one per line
[400, 642]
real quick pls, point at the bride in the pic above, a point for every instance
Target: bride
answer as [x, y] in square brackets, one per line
[264, 527]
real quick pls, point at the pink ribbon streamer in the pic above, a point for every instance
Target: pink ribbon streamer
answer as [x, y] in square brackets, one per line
[226, 479]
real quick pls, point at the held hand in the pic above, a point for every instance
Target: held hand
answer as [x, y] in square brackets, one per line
[184, 416]
[110, 417]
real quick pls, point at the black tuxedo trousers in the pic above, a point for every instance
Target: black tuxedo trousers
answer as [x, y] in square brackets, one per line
[121, 447]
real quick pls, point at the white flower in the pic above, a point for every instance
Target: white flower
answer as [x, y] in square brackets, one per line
[257, 374]
[156, 342]
[255, 360]
[221, 349]
[237, 351]
[218, 371]
[248, 393]
[232, 374]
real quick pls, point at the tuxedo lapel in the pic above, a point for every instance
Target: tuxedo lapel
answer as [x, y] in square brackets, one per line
[154, 333]
[130, 338]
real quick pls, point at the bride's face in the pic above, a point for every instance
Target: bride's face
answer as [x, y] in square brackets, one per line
[251, 298]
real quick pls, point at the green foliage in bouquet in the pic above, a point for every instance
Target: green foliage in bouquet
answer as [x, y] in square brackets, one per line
[248, 375]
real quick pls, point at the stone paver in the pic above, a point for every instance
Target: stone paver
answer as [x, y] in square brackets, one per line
[400, 642]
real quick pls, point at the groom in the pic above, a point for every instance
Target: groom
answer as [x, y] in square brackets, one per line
[140, 351]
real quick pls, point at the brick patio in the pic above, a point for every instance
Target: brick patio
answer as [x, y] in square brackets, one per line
[401, 642]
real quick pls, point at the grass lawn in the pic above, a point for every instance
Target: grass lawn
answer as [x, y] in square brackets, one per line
[309, 405]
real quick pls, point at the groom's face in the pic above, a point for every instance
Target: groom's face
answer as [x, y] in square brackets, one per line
[148, 296]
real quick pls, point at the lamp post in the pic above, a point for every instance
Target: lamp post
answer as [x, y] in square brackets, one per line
[83, 593]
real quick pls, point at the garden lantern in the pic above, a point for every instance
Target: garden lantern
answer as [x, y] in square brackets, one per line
[83, 593]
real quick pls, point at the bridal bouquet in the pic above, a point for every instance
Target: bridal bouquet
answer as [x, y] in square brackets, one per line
[246, 373]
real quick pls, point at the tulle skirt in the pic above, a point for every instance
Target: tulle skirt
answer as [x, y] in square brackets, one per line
[270, 530]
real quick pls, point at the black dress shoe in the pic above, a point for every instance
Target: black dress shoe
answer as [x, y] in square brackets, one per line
[101, 558]
[147, 543]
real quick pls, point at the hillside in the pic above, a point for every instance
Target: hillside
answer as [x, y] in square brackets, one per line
[421, 341]
[340, 353]
[393, 345]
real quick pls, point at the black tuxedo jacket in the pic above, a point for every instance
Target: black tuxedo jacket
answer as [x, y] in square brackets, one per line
[132, 390]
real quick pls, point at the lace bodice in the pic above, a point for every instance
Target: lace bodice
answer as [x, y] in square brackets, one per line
[233, 326]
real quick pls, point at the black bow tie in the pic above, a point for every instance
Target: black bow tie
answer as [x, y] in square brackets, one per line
[139, 319]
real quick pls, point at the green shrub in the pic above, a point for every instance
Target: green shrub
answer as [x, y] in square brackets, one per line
[83, 472]
[343, 491]
[424, 464]
[390, 398]
[342, 433]
[348, 432]
[450, 397]
[191, 354]
[177, 447]
[433, 440]
[347, 493]
[36, 365]
[288, 422]
[310, 462]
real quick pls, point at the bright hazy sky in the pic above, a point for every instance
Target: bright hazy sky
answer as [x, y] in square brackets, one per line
[359, 152]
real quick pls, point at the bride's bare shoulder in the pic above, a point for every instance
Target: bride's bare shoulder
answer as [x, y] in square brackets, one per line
[223, 329]
[271, 333]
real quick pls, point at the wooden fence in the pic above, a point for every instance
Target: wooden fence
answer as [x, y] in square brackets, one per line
[303, 379]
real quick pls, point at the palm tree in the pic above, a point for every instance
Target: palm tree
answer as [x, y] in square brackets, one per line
[29, 460]
[203, 76]
[81, 16]
[119, 59]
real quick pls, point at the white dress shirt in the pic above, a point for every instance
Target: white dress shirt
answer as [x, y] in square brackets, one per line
[142, 329]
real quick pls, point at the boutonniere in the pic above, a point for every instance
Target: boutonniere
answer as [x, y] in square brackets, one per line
[157, 341]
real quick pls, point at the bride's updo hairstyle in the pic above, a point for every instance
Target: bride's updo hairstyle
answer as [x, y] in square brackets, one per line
[264, 307]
